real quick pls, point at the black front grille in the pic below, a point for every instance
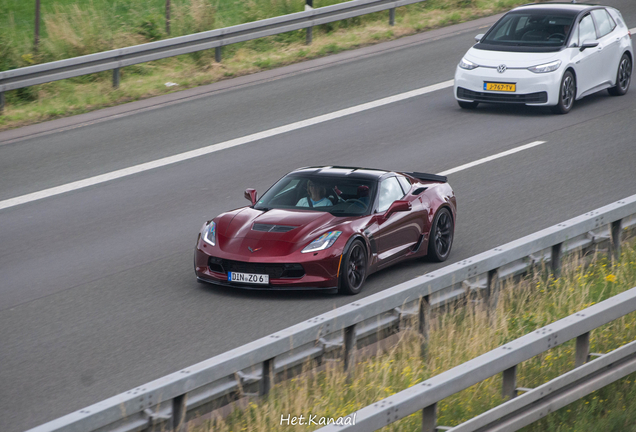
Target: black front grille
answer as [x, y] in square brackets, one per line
[275, 271]
[539, 97]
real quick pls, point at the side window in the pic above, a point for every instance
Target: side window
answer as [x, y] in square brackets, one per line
[503, 31]
[406, 185]
[604, 22]
[587, 32]
[390, 191]
[291, 185]
[522, 23]
[574, 41]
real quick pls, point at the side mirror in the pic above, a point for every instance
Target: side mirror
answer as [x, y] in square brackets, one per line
[397, 206]
[588, 44]
[250, 195]
[479, 37]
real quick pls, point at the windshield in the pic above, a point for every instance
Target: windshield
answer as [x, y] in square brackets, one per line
[341, 196]
[530, 29]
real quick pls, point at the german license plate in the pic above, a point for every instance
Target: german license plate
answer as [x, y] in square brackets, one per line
[503, 87]
[261, 279]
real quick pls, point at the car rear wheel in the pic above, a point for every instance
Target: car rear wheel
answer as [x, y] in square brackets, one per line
[440, 239]
[623, 77]
[354, 268]
[567, 93]
[468, 105]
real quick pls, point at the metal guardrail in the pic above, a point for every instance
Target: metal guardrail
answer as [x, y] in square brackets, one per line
[531, 406]
[252, 368]
[118, 58]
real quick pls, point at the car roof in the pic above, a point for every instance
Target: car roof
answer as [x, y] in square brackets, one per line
[331, 171]
[573, 8]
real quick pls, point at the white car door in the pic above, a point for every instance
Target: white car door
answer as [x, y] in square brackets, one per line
[609, 45]
[587, 62]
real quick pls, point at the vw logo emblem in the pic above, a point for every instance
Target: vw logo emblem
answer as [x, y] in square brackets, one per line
[501, 68]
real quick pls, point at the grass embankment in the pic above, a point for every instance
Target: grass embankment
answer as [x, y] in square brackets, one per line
[70, 28]
[465, 333]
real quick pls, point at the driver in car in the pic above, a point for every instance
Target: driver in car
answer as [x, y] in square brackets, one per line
[316, 196]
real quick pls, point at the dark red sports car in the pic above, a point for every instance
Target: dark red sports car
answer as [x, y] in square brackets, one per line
[328, 228]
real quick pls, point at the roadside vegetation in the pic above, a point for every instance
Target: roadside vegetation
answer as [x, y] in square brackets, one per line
[460, 334]
[70, 28]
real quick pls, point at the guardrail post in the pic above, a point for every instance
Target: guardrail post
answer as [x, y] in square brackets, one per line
[492, 292]
[392, 16]
[309, 5]
[617, 228]
[429, 418]
[267, 377]
[308, 36]
[555, 259]
[349, 349]
[36, 42]
[582, 349]
[217, 54]
[179, 414]
[168, 17]
[1, 102]
[509, 386]
[116, 78]
[424, 317]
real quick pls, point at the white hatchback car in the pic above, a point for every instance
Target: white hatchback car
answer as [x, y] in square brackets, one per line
[547, 55]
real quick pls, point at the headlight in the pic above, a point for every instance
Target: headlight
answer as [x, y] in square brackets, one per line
[209, 234]
[323, 242]
[548, 67]
[467, 64]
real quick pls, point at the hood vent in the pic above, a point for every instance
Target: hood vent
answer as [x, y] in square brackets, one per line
[272, 228]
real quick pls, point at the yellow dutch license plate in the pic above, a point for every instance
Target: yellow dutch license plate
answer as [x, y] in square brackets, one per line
[504, 87]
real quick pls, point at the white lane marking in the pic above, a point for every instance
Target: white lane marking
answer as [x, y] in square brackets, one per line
[633, 30]
[490, 158]
[11, 202]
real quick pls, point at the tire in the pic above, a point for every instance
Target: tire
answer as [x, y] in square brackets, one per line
[354, 268]
[468, 105]
[623, 77]
[567, 93]
[440, 239]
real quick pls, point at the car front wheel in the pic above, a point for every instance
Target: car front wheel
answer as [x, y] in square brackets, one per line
[567, 93]
[354, 268]
[623, 77]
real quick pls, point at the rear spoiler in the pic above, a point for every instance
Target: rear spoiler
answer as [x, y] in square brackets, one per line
[428, 177]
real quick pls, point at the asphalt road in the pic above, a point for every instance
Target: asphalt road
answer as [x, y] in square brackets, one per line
[97, 292]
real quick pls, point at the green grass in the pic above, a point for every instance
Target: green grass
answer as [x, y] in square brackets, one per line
[70, 28]
[464, 333]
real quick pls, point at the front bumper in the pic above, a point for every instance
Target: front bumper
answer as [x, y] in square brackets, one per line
[313, 271]
[264, 288]
[531, 88]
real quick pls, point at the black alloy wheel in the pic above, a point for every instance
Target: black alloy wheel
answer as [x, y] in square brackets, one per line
[440, 239]
[567, 93]
[623, 77]
[353, 268]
